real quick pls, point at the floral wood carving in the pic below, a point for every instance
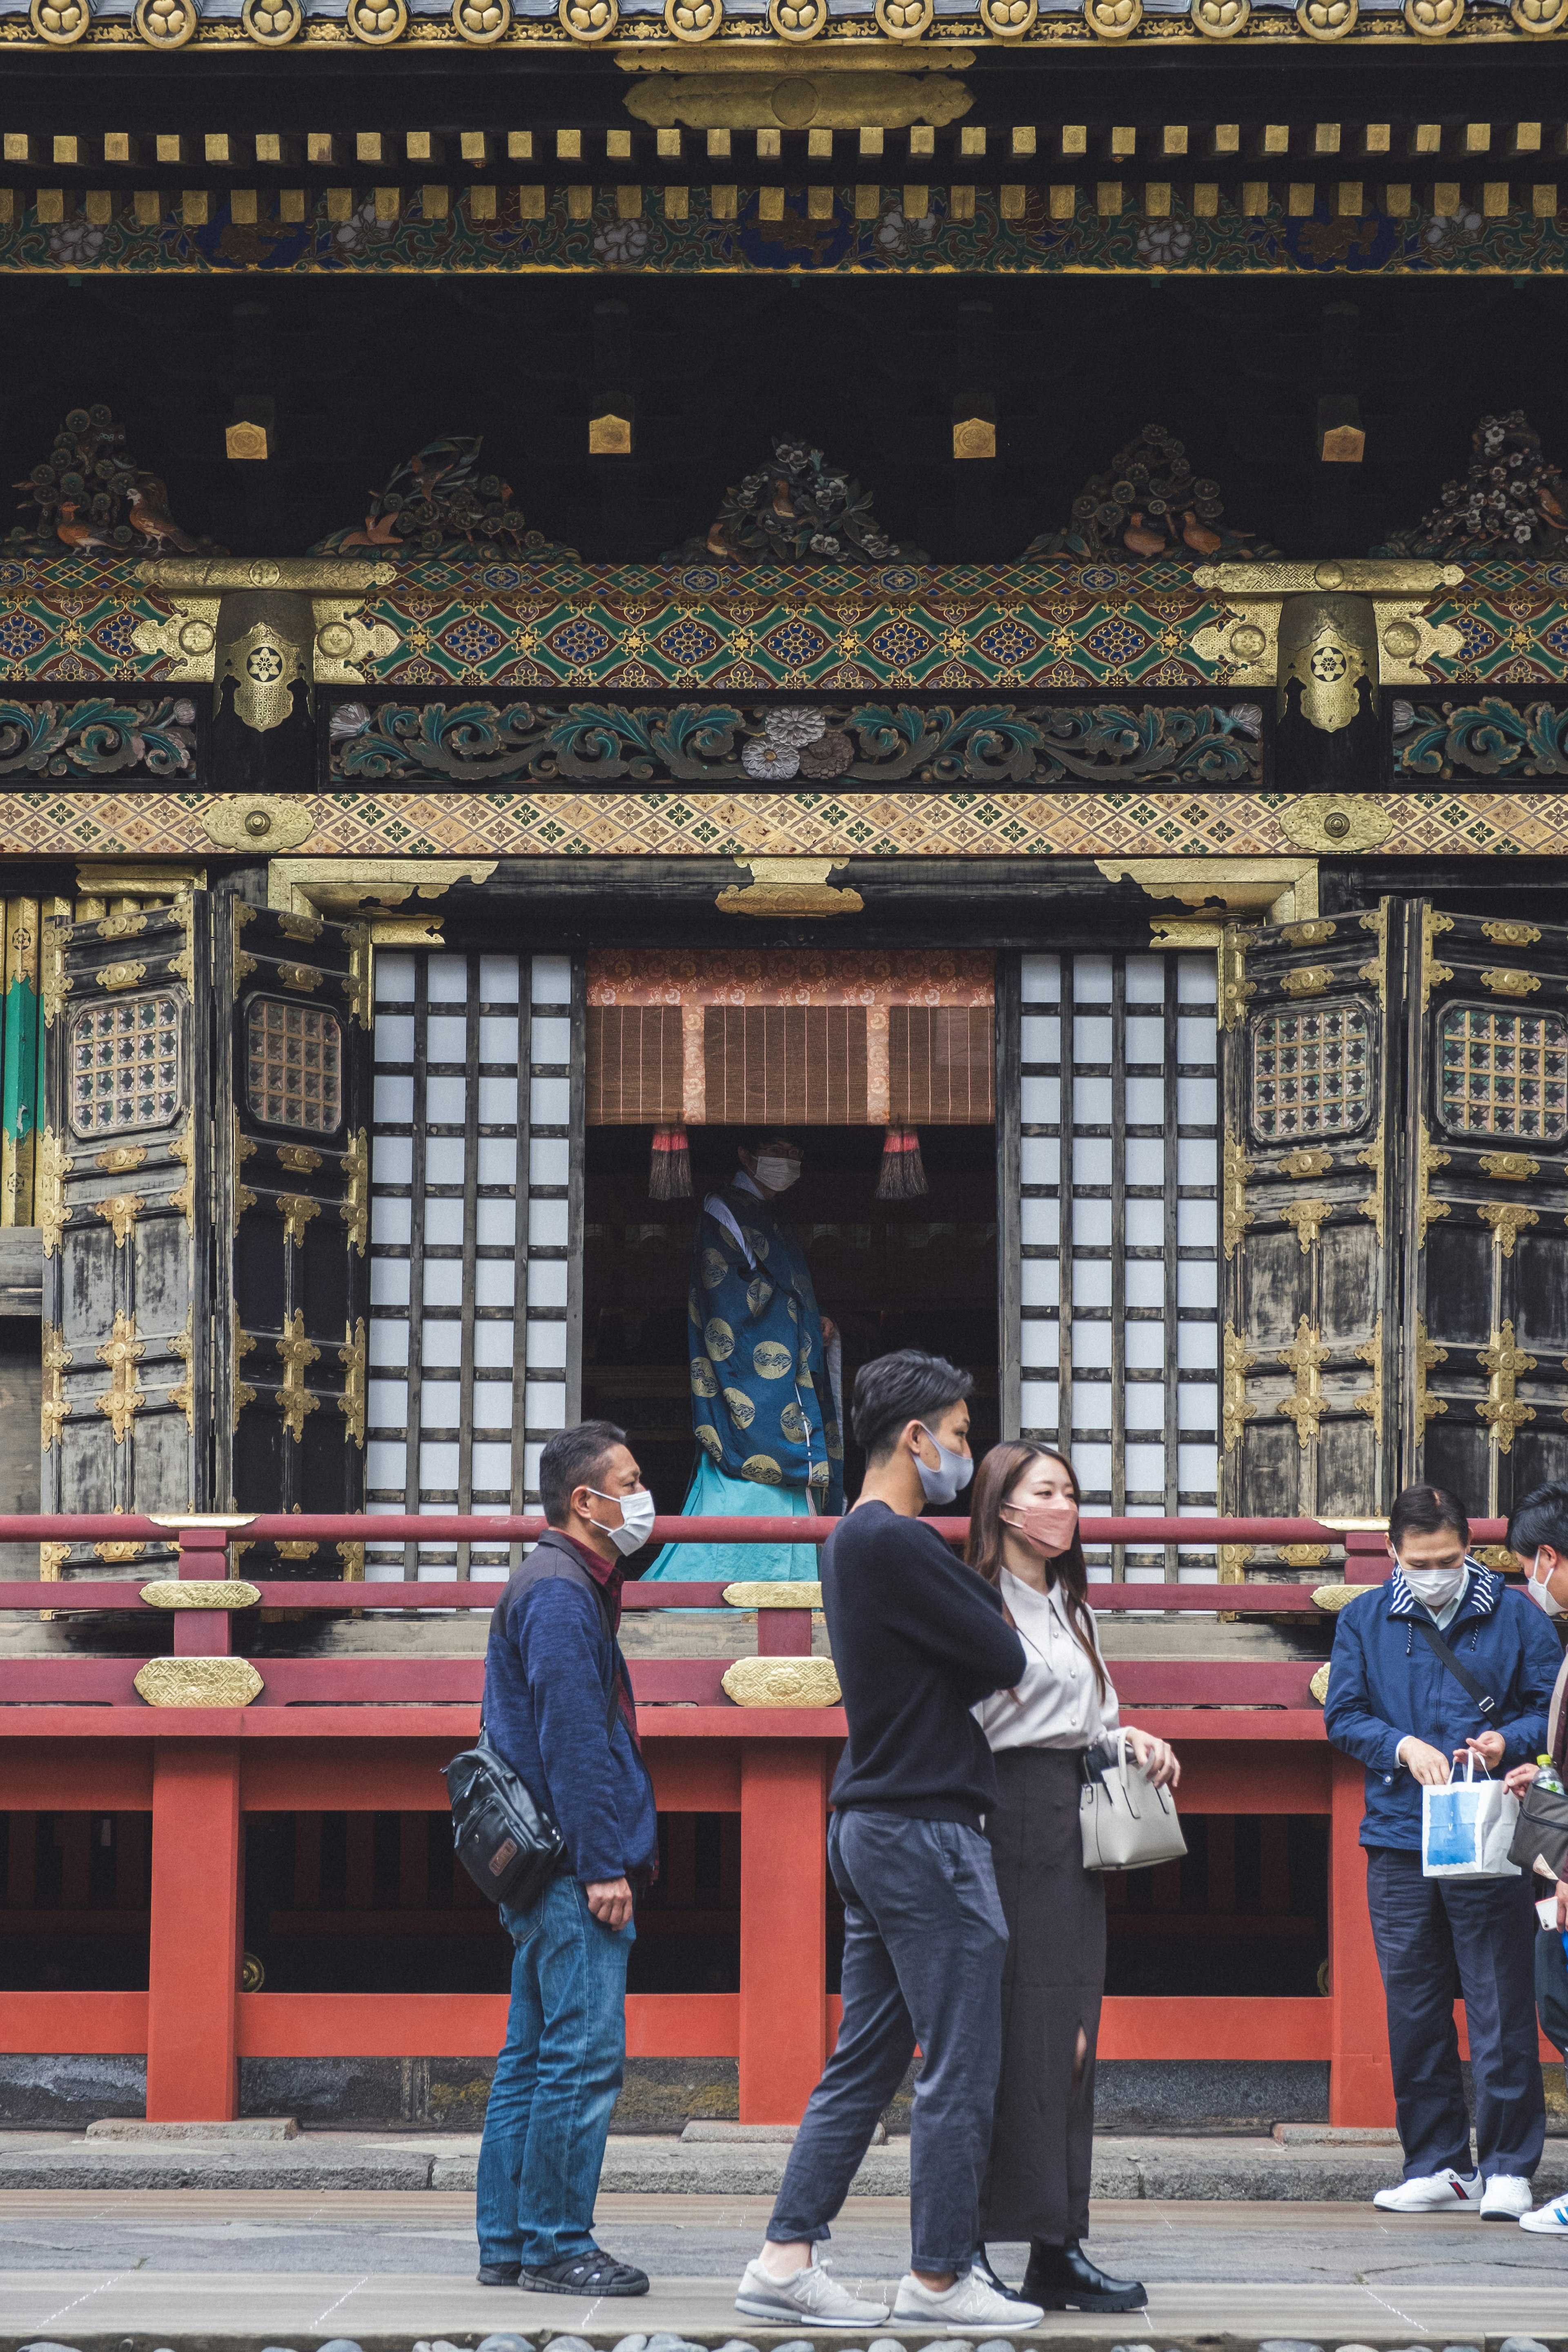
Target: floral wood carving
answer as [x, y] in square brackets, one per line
[1489, 738]
[798, 509]
[438, 503]
[1150, 503]
[1510, 502]
[88, 496]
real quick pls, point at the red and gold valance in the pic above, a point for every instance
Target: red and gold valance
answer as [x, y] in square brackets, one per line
[851, 1038]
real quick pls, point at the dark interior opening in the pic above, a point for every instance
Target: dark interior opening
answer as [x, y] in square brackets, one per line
[890, 1274]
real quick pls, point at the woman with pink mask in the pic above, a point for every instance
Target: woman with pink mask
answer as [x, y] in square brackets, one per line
[1060, 1721]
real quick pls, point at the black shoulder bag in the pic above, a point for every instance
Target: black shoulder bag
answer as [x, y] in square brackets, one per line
[1462, 1674]
[508, 1845]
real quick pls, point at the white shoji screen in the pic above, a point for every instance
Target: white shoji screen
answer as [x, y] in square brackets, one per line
[1119, 1225]
[465, 1137]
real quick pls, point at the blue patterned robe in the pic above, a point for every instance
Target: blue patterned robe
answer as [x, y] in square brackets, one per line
[762, 1403]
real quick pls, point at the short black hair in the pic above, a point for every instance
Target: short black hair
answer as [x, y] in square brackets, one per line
[1541, 1518]
[1424, 1511]
[892, 1390]
[573, 1457]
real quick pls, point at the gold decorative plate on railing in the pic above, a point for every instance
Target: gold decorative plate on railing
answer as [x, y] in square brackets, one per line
[200, 1592]
[1319, 1685]
[783, 1681]
[199, 1682]
[772, 1596]
[1333, 1598]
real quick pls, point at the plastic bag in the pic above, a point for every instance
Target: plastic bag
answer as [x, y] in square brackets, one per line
[1467, 1829]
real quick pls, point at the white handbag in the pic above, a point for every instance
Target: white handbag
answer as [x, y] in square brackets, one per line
[1127, 1822]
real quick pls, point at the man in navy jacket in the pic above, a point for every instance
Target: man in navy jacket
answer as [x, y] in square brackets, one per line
[1396, 1705]
[558, 1707]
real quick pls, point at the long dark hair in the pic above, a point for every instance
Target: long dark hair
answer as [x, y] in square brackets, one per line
[994, 1481]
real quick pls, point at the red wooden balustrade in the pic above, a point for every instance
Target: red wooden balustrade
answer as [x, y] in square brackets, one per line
[373, 1732]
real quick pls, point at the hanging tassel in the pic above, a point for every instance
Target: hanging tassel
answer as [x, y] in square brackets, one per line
[903, 1176]
[669, 1169]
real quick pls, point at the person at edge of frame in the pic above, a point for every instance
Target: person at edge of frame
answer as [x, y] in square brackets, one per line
[1538, 1539]
[551, 1667]
[1400, 1708]
[1046, 1734]
[917, 1639]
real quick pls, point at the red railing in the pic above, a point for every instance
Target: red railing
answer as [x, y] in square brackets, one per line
[368, 1735]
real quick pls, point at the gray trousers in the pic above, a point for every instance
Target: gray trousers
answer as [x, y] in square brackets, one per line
[923, 1945]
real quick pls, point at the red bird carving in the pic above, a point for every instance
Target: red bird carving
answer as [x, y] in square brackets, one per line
[149, 514]
[1141, 540]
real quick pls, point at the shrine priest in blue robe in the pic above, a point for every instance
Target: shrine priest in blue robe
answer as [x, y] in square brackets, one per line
[765, 1379]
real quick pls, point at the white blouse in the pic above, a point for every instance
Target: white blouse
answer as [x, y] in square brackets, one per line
[1057, 1705]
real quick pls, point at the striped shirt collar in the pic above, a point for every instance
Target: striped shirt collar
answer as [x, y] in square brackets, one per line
[1481, 1593]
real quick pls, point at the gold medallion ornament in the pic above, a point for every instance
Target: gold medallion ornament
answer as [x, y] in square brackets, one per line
[905, 20]
[784, 1594]
[693, 20]
[1539, 16]
[200, 1592]
[1326, 647]
[377, 21]
[1307, 980]
[1327, 20]
[260, 821]
[1008, 20]
[273, 23]
[1331, 1598]
[1112, 19]
[1319, 1684]
[1220, 20]
[1305, 1163]
[61, 21]
[199, 1682]
[166, 24]
[762, 1470]
[797, 20]
[1432, 18]
[1517, 1167]
[783, 1681]
[480, 22]
[589, 20]
[741, 1411]
[1510, 983]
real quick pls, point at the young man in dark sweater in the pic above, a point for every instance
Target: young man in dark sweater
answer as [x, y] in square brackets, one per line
[552, 1670]
[917, 1639]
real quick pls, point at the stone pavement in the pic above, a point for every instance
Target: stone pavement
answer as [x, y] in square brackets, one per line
[1307, 2164]
[236, 2270]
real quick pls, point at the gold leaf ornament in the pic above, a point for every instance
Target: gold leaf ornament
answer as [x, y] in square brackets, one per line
[1327, 20]
[1220, 20]
[115, 976]
[52, 1165]
[1307, 980]
[1009, 20]
[1505, 981]
[352, 1356]
[1506, 1218]
[480, 22]
[200, 1592]
[1113, 20]
[1307, 1218]
[61, 21]
[124, 1397]
[273, 23]
[589, 20]
[797, 20]
[1432, 18]
[905, 20]
[1319, 1684]
[1515, 1167]
[1510, 935]
[1305, 1163]
[783, 1681]
[693, 20]
[198, 1682]
[378, 21]
[166, 24]
[119, 1214]
[294, 1400]
[355, 1209]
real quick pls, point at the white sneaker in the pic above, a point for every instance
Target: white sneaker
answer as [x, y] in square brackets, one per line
[968, 2302]
[1434, 2192]
[812, 2294]
[1551, 2220]
[1508, 2198]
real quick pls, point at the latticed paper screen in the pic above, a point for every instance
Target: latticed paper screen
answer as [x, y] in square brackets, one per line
[941, 1065]
[635, 1064]
[1504, 1073]
[294, 1074]
[786, 1064]
[1311, 1071]
[125, 1064]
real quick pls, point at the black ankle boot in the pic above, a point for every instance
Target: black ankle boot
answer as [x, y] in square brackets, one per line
[980, 2265]
[1062, 2278]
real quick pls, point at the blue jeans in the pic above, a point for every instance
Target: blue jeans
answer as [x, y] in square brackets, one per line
[555, 2082]
[925, 1940]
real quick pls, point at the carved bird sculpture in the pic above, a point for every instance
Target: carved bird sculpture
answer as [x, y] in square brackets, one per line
[782, 505]
[1141, 538]
[1548, 505]
[380, 530]
[149, 514]
[1199, 538]
[717, 542]
[81, 535]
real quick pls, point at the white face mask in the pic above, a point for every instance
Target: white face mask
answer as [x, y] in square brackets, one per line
[778, 1175]
[1539, 1589]
[953, 1472]
[637, 1519]
[1434, 1587]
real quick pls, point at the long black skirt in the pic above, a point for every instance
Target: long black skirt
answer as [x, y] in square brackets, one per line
[1035, 2184]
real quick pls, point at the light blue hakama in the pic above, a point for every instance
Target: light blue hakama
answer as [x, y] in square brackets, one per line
[712, 1495]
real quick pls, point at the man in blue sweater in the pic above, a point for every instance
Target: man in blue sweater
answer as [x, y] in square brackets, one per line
[558, 1706]
[1408, 1712]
